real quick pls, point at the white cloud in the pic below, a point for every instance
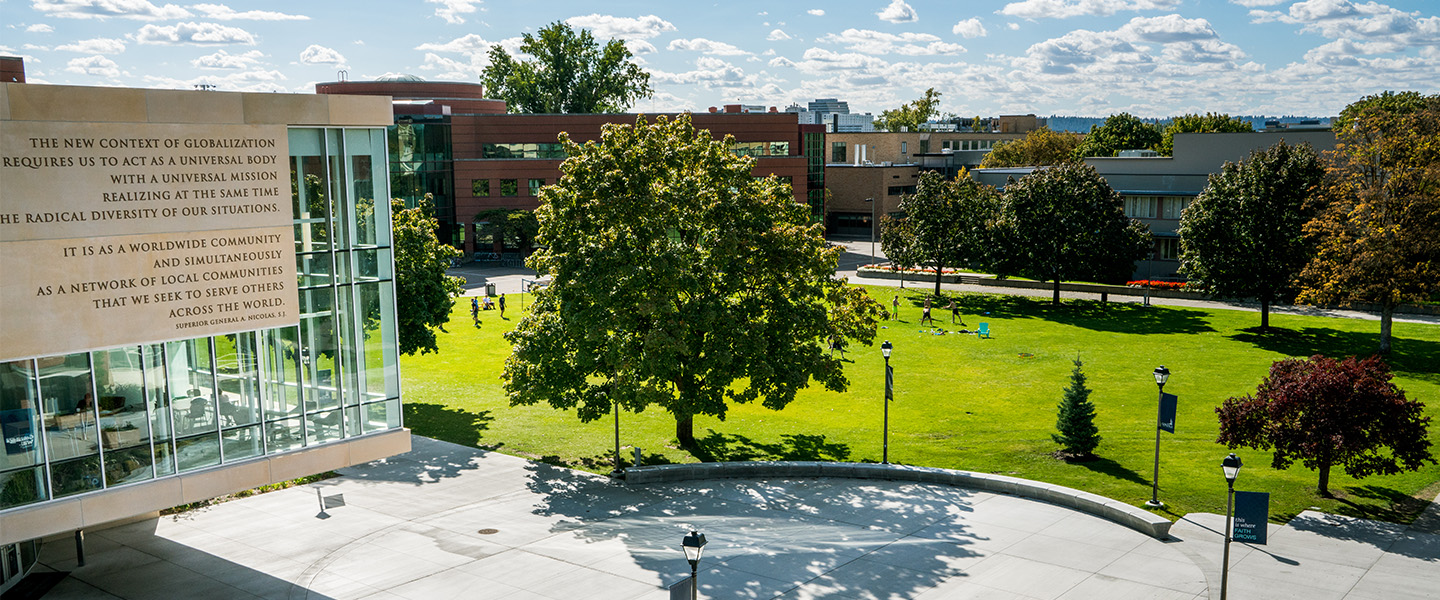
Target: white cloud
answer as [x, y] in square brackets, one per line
[1064, 9]
[315, 54]
[816, 12]
[224, 60]
[605, 27]
[1169, 28]
[969, 28]
[95, 65]
[898, 12]
[466, 44]
[1255, 3]
[777, 35]
[1013, 26]
[710, 72]
[877, 42]
[454, 70]
[239, 81]
[39, 28]
[638, 47]
[102, 9]
[95, 46]
[451, 10]
[705, 46]
[781, 61]
[203, 34]
[220, 12]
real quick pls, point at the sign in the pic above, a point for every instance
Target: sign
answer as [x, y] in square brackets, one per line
[1252, 514]
[680, 590]
[1167, 412]
[889, 383]
[128, 233]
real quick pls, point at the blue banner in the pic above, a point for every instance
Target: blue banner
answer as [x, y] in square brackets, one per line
[1252, 513]
[1167, 412]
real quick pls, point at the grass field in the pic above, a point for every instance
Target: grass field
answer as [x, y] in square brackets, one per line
[980, 404]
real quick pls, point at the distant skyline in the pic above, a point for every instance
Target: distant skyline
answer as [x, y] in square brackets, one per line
[1152, 58]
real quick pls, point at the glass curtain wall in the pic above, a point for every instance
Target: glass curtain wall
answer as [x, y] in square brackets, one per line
[92, 420]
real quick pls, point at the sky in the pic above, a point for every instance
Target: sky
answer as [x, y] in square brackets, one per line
[1152, 58]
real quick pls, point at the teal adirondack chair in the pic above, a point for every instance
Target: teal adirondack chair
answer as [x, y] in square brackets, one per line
[984, 331]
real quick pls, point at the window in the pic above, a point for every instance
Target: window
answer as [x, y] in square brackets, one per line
[480, 188]
[1173, 206]
[903, 146]
[896, 190]
[1140, 207]
[1168, 248]
[924, 146]
[543, 150]
[837, 152]
[535, 185]
[509, 187]
[761, 148]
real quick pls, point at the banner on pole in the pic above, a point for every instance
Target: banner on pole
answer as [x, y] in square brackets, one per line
[1252, 513]
[889, 382]
[1167, 412]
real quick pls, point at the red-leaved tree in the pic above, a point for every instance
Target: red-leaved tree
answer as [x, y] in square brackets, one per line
[1325, 412]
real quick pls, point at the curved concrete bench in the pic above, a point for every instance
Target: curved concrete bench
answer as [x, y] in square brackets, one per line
[1135, 518]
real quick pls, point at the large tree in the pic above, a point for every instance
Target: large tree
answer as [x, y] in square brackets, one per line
[510, 226]
[570, 73]
[1065, 223]
[679, 281]
[1039, 148]
[1377, 239]
[911, 114]
[946, 223]
[1075, 418]
[1119, 132]
[424, 294]
[1243, 237]
[1194, 123]
[1324, 413]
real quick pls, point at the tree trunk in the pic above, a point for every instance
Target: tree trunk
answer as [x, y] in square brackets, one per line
[1387, 313]
[685, 431]
[1264, 313]
[938, 270]
[1325, 479]
[1056, 300]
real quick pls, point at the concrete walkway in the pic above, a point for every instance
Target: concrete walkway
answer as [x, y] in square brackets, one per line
[445, 521]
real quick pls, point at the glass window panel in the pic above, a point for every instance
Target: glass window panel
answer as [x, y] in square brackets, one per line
[128, 465]
[350, 338]
[372, 265]
[237, 372]
[324, 426]
[19, 417]
[342, 207]
[381, 416]
[509, 187]
[379, 352]
[535, 185]
[284, 435]
[353, 425]
[310, 203]
[837, 152]
[157, 390]
[75, 476]
[69, 406]
[191, 385]
[198, 452]
[23, 486]
[480, 188]
[320, 356]
[164, 458]
[281, 389]
[242, 443]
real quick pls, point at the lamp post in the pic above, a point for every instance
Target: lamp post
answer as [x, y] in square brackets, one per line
[1231, 467]
[618, 472]
[1162, 375]
[889, 387]
[694, 546]
[873, 226]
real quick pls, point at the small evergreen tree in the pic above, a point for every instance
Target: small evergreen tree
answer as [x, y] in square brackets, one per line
[1078, 435]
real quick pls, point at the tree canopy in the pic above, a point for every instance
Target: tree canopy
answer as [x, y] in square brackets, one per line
[1064, 223]
[679, 281]
[1243, 237]
[424, 294]
[946, 223]
[1119, 132]
[911, 114]
[570, 73]
[1325, 412]
[1039, 148]
[1193, 123]
[513, 226]
[1376, 239]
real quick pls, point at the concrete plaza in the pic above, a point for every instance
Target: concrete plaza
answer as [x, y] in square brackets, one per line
[446, 521]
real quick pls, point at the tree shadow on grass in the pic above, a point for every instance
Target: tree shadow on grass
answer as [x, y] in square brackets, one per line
[450, 424]
[1414, 358]
[721, 447]
[1110, 468]
[1114, 317]
[1395, 506]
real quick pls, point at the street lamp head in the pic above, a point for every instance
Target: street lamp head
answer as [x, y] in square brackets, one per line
[694, 546]
[885, 348]
[1231, 467]
[1162, 375]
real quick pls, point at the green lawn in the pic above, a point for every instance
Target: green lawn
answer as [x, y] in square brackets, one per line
[979, 404]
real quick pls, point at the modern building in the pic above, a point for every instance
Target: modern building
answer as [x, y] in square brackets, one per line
[1157, 189]
[478, 158]
[199, 300]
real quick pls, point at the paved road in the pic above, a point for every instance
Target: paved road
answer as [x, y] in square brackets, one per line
[446, 521]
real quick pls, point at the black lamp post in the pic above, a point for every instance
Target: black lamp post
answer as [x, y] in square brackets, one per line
[1231, 467]
[889, 387]
[694, 546]
[1162, 375]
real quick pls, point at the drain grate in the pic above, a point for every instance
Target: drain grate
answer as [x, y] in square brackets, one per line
[488, 531]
